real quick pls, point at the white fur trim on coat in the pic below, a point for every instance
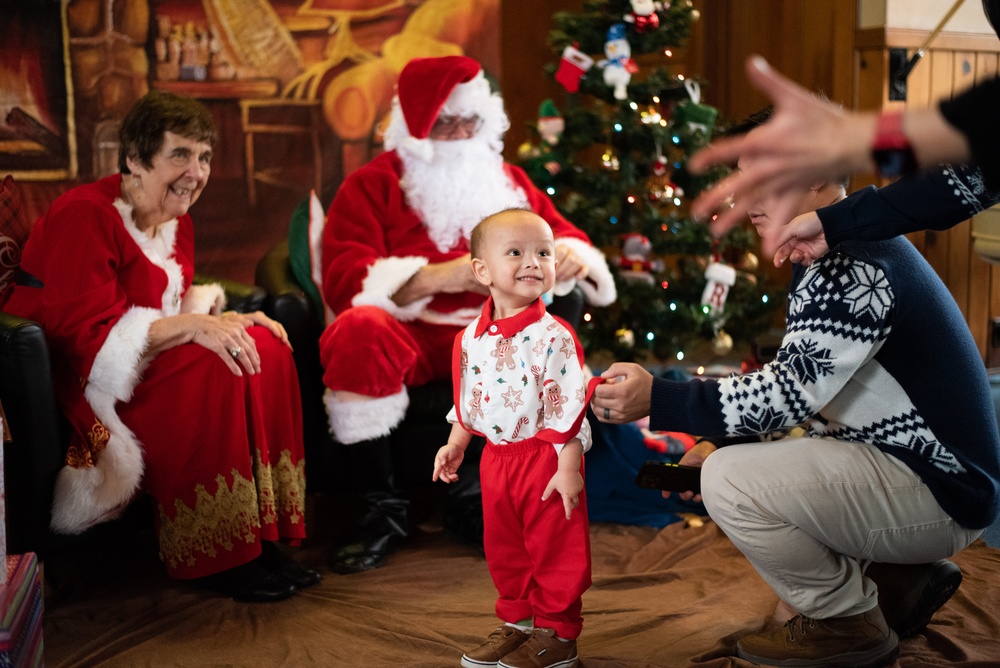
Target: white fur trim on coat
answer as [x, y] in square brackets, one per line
[599, 285]
[365, 419]
[385, 277]
[87, 496]
[208, 298]
[118, 364]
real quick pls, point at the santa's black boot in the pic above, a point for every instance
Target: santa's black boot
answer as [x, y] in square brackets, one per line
[383, 527]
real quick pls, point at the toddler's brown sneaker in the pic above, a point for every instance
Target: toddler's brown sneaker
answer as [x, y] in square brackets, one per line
[501, 642]
[855, 641]
[543, 650]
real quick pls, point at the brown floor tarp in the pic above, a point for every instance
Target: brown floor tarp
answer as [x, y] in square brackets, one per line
[674, 598]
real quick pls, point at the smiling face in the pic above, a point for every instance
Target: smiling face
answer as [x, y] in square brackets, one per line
[515, 257]
[174, 179]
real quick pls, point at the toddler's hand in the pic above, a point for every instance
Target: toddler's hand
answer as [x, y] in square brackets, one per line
[446, 462]
[569, 484]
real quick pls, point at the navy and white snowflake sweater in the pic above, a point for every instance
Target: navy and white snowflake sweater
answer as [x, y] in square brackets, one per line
[934, 199]
[875, 351]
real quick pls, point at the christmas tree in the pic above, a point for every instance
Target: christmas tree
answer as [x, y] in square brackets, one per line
[613, 161]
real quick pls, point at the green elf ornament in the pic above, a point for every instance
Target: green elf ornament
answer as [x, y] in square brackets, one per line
[696, 117]
[544, 161]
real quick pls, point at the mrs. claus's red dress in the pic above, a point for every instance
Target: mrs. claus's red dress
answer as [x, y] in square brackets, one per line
[221, 454]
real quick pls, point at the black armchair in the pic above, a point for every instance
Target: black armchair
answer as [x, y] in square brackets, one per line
[424, 428]
[39, 434]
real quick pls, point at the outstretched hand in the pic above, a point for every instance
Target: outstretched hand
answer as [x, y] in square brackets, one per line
[807, 141]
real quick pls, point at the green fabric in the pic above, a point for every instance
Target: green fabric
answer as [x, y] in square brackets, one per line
[548, 109]
[299, 256]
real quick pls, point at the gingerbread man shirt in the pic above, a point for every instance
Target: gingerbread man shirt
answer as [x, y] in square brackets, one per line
[521, 377]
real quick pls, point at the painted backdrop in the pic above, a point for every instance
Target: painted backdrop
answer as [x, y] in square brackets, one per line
[300, 90]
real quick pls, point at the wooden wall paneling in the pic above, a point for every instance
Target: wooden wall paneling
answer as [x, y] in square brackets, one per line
[963, 71]
[940, 66]
[873, 73]
[989, 67]
[957, 276]
[811, 43]
[709, 54]
[750, 30]
[918, 95]
[994, 304]
[822, 56]
[979, 282]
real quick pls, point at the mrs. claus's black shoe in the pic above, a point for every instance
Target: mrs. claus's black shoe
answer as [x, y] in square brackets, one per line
[274, 559]
[250, 582]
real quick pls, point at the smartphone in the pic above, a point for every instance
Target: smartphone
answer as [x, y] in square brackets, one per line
[669, 477]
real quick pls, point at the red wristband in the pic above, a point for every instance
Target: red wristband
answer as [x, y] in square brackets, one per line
[891, 149]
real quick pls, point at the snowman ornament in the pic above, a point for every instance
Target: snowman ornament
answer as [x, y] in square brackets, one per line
[618, 66]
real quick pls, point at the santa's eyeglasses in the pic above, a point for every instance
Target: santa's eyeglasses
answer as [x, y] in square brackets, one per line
[447, 127]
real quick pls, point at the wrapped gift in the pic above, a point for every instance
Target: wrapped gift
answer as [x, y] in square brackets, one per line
[21, 613]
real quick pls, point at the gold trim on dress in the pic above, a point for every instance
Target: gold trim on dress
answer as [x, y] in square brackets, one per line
[228, 517]
[281, 488]
[234, 514]
[82, 455]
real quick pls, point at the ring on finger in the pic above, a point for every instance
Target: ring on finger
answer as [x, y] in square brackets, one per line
[607, 413]
[235, 352]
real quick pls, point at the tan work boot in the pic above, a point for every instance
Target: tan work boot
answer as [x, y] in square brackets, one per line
[543, 650]
[501, 642]
[855, 641]
[910, 594]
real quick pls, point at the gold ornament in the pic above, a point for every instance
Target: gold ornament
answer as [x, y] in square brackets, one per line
[722, 344]
[660, 188]
[609, 160]
[650, 116]
[750, 262]
[528, 150]
[626, 337]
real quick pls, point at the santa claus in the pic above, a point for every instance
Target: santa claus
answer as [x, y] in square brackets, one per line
[397, 271]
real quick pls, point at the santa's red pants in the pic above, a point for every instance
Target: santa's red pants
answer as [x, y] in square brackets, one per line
[539, 560]
[367, 351]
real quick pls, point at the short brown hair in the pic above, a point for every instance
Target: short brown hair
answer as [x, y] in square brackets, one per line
[476, 239]
[155, 114]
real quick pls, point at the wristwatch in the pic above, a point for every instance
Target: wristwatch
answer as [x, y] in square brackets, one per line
[891, 149]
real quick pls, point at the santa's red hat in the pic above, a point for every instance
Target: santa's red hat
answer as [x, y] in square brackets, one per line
[425, 85]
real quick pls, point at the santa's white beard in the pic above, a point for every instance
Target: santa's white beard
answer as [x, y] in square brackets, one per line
[462, 183]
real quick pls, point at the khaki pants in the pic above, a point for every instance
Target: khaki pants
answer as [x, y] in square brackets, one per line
[809, 513]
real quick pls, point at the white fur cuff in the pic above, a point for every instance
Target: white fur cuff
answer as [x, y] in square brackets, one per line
[88, 496]
[209, 298]
[599, 285]
[385, 277]
[118, 364]
[363, 420]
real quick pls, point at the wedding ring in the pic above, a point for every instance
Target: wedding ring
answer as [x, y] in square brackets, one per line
[235, 352]
[607, 413]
